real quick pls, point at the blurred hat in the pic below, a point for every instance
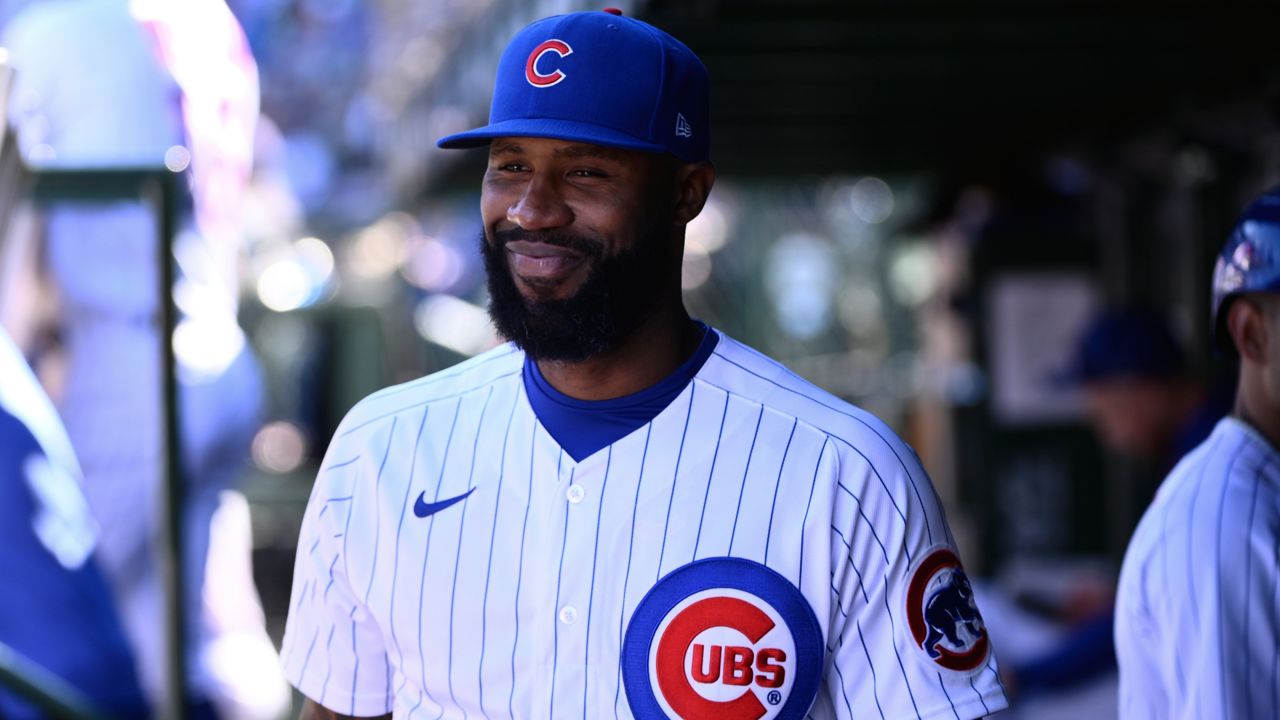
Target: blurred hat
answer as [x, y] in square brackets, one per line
[1249, 261]
[1125, 343]
[603, 79]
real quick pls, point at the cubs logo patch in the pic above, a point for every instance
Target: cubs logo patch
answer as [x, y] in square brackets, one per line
[723, 639]
[540, 79]
[942, 614]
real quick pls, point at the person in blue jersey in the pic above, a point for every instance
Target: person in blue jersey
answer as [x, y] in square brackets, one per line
[1197, 624]
[55, 608]
[622, 512]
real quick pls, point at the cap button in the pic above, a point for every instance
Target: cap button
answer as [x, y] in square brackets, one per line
[613, 11]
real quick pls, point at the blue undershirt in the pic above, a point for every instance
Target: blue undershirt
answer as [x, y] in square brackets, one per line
[582, 427]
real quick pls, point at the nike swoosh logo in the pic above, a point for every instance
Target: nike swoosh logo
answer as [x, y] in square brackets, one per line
[422, 509]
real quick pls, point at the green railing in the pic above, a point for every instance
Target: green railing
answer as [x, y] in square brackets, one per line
[159, 188]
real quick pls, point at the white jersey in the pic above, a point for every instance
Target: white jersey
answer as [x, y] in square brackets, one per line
[1198, 607]
[758, 549]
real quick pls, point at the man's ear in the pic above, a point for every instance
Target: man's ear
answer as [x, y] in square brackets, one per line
[1246, 321]
[693, 185]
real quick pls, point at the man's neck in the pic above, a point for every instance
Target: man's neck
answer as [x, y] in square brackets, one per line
[1253, 407]
[651, 353]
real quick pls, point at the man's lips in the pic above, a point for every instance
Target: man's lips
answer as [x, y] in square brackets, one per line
[536, 260]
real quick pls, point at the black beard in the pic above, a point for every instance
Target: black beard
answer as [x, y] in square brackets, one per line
[619, 293]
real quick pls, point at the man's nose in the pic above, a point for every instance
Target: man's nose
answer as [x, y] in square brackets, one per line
[540, 206]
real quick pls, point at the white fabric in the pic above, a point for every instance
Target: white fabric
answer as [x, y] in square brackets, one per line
[1198, 606]
[514, 601]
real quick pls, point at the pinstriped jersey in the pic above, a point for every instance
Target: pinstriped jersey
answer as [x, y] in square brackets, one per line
[758, 549]
[1198, 606]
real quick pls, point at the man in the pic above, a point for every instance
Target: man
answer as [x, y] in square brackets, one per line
[1197, 607]
[56, 610]
[623, 512]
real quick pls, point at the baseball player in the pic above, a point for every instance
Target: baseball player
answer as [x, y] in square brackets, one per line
[622, 512]
[1198, 609]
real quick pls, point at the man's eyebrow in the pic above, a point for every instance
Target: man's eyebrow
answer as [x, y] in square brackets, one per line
[568, 151]
[505, 148]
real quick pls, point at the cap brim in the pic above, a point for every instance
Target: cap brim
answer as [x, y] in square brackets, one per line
[569, 130]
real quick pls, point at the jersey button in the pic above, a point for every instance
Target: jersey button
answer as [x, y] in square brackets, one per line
[568, 614]
[575, 493]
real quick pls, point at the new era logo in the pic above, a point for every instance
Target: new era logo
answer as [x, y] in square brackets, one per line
[682, 126]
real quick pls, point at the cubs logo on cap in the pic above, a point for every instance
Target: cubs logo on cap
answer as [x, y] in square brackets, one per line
[722, 639]
[942, 614]
[539, 79]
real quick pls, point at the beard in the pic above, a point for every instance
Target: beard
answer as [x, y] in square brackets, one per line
[619, 293]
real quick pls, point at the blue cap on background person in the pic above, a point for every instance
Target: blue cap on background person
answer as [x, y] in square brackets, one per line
[1128, 343]
[1249, 261]
[603, 79]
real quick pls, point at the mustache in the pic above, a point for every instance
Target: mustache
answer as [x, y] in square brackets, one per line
[586, 246]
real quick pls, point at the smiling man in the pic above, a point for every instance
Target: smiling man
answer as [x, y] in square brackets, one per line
[622, 512]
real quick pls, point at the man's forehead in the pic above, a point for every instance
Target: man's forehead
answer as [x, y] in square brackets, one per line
[558, 148]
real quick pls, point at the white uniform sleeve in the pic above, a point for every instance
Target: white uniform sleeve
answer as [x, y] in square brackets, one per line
[333, 650]
[907, 640]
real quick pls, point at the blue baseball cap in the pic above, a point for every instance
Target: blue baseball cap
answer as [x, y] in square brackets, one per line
[1249, 261]
[601, 79]
[1126, 343]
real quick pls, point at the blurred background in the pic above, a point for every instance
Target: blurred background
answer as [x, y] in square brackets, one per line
[922, 206]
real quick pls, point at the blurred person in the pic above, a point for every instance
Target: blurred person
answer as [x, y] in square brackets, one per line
[622, 512]
[1145, 404]
[117, 84]
[1140, 394]
[1197, 613]
[55, 608]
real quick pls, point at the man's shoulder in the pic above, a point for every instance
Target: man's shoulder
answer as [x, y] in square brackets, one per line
[497, 365]
[739, 369]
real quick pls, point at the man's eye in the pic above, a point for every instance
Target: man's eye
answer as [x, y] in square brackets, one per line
[587, 172]
[511, 167]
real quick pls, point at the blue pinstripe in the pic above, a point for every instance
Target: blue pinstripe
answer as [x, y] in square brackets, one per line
[515, 640]
[591, 594]
[1248, 584]
[404, 508]
[328, 668]
[626, 578]
[1222, 611]
[710, 476]
[493, 534]
[893, 627]
[426, 555]
[870, 525]
[804, 523]
[555, 635]
[457, 556]
[875, 692]
[746, 473]
[676, 476]
[373, 570]
[782, 464]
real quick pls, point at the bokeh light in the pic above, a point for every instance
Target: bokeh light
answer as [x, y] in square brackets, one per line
[696, 269]
[455, 324]
[279, 447]
[872, 200]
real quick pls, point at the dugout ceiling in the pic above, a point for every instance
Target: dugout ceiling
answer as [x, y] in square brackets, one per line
[803, 86]
[810, 87]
